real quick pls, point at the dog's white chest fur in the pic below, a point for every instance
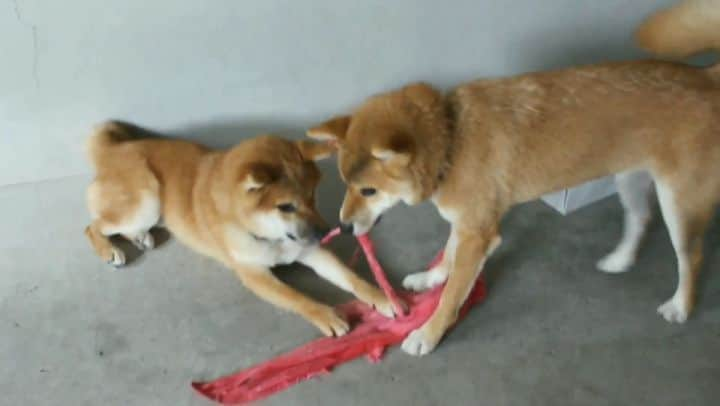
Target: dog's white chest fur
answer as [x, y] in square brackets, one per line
[246, 249]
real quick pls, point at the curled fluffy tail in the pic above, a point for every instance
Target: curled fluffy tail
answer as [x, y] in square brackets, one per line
[108, 134]
[687, 28]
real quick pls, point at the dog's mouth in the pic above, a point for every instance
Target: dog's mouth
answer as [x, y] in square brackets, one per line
[362, 228]
[377, 220]
[305, 241]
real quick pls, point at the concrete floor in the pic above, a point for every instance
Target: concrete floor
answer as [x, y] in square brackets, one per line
[553, 330]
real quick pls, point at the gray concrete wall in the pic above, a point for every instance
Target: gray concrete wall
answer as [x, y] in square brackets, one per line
[225, 69]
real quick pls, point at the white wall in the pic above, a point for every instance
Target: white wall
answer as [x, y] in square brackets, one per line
[229, 68]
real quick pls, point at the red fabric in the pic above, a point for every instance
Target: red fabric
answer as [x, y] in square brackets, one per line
[371, 335]
[331, 235]
[369, 250]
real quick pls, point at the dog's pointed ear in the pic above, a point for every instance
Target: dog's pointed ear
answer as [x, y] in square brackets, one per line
[255, 176]
[396, 150]
[315, 151]
[333, 130]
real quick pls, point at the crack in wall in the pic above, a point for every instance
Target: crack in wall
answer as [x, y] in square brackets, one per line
[17, 10]
[33, 30]
[36, 78]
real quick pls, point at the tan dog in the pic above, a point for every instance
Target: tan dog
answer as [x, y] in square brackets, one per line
[251, 207]
[490, 144]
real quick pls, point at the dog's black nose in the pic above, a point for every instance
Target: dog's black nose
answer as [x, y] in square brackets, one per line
[346, 228]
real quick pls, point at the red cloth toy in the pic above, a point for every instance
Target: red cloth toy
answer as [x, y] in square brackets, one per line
[371, 335]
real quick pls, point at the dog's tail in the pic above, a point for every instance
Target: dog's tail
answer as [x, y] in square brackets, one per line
[108, 134]
[687, 28]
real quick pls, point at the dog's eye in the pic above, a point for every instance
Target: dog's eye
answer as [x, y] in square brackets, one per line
[286, 207]
[368, 191]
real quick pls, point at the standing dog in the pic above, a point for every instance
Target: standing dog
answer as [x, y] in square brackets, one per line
[490, 144]
[251, 207]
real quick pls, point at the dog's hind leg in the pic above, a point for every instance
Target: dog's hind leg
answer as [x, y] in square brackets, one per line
[147, 215]
[125, 205]
[104, 248]
[687, 209]
[634, 188]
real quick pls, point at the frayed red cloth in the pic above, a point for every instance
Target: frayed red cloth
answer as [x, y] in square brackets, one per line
[380, 277]
[371, 335]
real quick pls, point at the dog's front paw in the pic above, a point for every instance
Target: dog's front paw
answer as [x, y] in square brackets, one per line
[383, 305]
[420, 342]
[674, 310]
[328, 321]
[420, 281]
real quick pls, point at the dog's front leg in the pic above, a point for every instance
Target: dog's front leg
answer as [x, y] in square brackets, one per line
[428, 279]
[466, 263]
[264, 284]
[330, 268]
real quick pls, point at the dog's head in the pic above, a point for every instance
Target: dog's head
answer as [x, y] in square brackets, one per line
[271, 183]
[385, 152]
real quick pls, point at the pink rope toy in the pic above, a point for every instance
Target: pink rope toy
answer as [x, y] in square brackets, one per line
[369, 250]
[372, 333]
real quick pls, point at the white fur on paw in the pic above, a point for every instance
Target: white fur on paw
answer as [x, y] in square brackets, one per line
[417, 343]
[386, 309]
[420, 281]
[673, 311]
[615, 262]
[118, 258]
[144, 241]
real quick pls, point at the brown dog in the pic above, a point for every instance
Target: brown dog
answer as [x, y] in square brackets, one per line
[251, 207]
[490, 144]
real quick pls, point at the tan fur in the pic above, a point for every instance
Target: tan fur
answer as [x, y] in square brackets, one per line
[685, 29]
[490, 144]
[224, 204]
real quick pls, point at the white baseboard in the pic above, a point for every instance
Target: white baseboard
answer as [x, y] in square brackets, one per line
[568, 200]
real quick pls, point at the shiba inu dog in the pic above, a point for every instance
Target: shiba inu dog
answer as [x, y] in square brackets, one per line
[490, 144]
[250, 207]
